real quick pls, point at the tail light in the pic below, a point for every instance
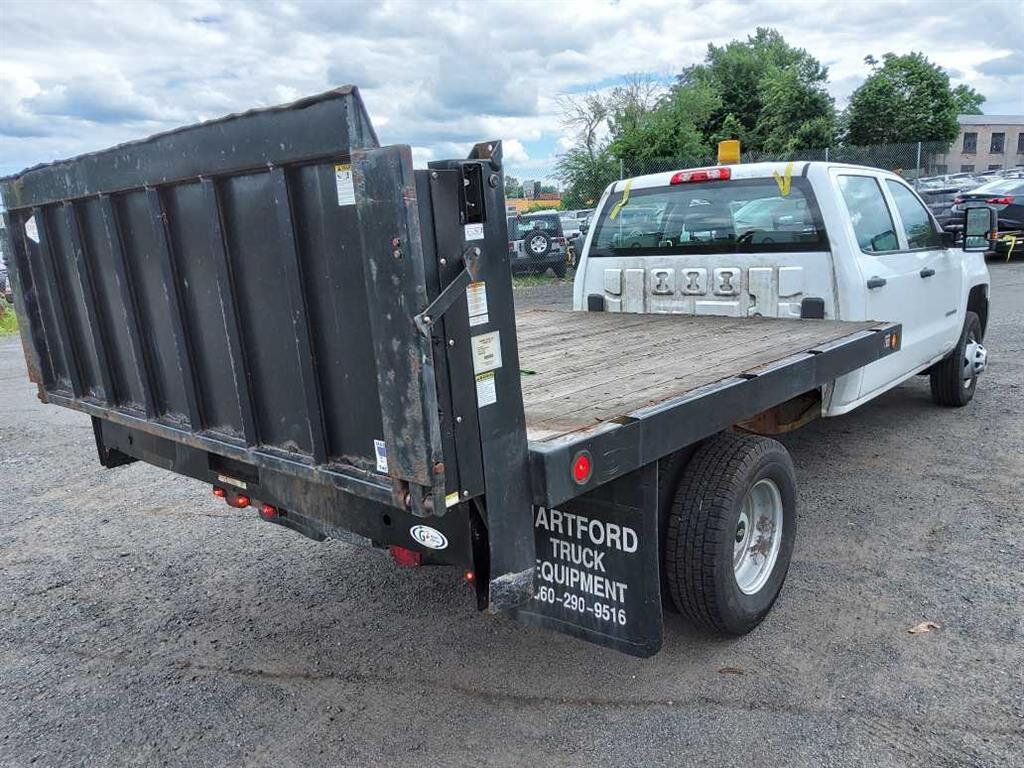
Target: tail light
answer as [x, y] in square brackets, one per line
[406, 558]
[957, 200]
[582, 468]
[703, 174]
[1007, 200]
[219, 492]
[560, 240]
[268, 511]
[240, 501]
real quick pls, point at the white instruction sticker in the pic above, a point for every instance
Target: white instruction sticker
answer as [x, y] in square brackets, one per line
[382, 455]
[474, 231]
[343, 181]
[486, 352]
[476, 300]
[31, 230]
[486, 394]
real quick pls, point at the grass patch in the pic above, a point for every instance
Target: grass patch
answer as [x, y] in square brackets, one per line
[8, 320]
[529, 281]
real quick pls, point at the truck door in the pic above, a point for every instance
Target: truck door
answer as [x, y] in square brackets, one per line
[892, 277]
[941, 272]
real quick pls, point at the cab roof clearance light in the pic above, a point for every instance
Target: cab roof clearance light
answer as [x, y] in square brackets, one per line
[702, 174]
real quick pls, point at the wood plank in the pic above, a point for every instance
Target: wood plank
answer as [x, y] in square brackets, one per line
[593, 367]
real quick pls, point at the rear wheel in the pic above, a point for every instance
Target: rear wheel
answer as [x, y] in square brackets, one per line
[730, 532]
[954, 379]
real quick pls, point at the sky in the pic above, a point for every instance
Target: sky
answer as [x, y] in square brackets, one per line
[440, 76]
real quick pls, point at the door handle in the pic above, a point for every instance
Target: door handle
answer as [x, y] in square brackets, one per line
[876, 282]
[927, 272]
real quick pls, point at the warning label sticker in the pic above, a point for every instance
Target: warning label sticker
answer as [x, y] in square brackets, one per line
[486, 352]
[381, 452]
[31, 230]
[486, 393]
[474, 231]
[343, 182]
[476, 300]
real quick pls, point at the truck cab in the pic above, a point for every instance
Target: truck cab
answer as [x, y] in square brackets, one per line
[809, 240]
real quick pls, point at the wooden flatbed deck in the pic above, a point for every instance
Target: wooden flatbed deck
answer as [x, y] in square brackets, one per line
[584, 368]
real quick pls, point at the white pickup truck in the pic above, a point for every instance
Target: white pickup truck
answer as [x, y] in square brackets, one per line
[800, 240]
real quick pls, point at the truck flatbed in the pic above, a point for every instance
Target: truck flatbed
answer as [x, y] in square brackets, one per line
[273, 304]
[630, 389]
[581, 369]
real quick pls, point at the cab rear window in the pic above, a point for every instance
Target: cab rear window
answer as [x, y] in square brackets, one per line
[729, 216]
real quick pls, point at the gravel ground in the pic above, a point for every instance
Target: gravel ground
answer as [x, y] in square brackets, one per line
[143, 622]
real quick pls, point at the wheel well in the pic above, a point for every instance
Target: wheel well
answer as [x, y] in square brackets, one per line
[977, 302]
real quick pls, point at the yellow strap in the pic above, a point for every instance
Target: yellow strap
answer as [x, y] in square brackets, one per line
[622, 203]
[784, 181]
[1012, 240]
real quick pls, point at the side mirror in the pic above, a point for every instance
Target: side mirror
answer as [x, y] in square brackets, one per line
[980, 223]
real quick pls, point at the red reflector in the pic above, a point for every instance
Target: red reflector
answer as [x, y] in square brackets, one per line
[220, 493]
[406, 558]
[703, 174]
[239, 502]
[1008, 200]
[582, 467]
[268, 511]
[469, 576]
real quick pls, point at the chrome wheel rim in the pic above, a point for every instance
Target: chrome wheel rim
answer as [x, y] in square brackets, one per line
[537, 244]
[758, 536]
[974, 362]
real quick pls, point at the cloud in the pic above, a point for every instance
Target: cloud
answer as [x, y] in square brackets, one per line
[438, 76]
[1010, 64]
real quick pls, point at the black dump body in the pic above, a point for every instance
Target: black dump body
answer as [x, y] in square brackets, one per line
[277, 306]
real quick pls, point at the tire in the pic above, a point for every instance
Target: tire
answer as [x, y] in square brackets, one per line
[703, 524]
[536, 244]
[949, 379]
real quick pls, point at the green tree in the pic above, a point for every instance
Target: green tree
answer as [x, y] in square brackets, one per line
[513, 187]
[671, 130]
[968, 101]
[906, 99]
[767, 90]
[584, 176]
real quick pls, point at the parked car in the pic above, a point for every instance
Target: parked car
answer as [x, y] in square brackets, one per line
[570, 224]
[1006, 197]
[537, 243]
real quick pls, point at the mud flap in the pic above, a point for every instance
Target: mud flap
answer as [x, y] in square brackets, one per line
[597, 575]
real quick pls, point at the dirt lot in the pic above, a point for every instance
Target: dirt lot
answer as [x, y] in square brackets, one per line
[143, 622]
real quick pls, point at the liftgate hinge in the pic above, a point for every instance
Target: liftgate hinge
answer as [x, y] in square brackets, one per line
[436, 309]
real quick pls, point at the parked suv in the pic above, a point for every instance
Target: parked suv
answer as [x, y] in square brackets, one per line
[536, 242]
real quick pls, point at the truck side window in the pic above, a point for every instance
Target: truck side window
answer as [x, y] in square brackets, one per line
[872, 222]
[917, 222]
